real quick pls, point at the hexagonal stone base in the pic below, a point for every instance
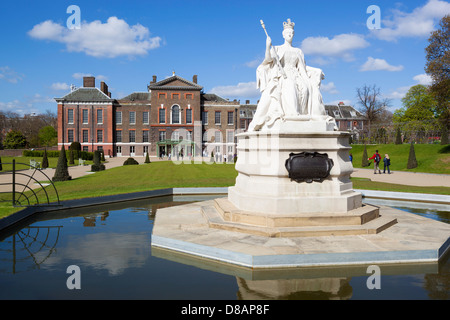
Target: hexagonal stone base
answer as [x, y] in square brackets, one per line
[412, 239]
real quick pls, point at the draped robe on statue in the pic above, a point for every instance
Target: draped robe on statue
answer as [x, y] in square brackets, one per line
[297, 94]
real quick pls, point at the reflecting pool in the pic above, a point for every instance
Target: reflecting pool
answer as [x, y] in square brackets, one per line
[112, 247]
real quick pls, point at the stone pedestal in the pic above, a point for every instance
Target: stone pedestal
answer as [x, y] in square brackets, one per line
[263, 184]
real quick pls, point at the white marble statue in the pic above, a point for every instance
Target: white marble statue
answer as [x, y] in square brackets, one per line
[289, 88]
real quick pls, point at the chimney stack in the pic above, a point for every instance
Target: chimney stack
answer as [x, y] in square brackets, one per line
[104, 87]
[154, 79]
[89, 82]
[247, 101]
[194, 79]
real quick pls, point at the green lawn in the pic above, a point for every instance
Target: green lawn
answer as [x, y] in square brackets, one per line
[166, 174]
[431, 158]
[157, 175]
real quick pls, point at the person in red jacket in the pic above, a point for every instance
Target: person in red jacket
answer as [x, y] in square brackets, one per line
[376, 162]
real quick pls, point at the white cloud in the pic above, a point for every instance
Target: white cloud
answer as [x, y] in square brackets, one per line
[419, 23]
[339, 46]
[329, 87]
[60, 86]
[373, 64]
[423, 79]
[7, 74]
[111, 39]
[244, 90]
[400, 92]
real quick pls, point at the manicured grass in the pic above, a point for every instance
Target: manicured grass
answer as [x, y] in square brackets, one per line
[431, 158]
[157, 175]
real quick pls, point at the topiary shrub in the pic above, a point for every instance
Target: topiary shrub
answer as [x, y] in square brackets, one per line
[130, 161]
[365, 162]
[97, 166]
[76, 148]
[71, 157]
[147, 158]
[444, 135]
[44, 164]
[62, 172]
[1, 168]
[398, 137]
[412, 161]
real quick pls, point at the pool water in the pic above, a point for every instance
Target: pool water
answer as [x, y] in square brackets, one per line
[111, 245]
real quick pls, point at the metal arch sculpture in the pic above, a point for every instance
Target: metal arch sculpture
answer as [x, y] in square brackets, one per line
[16, 202]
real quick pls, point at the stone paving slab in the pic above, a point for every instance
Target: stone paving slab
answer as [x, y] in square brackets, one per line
[413, 239]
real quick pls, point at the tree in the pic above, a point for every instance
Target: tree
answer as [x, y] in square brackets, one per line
[1, 168]
[412, 162]
[438, 67]
[15, 140]
[44, 160]
[418, 104]
[48, 136]
[418, 112]
[372, 105]
[147, 158]
[62, 171]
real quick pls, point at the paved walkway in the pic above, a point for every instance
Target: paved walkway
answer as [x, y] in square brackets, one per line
[396, 177]
[406, 178]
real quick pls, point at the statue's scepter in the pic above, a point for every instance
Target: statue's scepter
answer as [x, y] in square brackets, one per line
[277, 61]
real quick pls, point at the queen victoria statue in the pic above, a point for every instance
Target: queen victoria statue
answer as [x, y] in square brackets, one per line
[290, 90]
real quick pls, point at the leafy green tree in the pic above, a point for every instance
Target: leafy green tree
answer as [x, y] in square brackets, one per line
[48, 136]
[438, 67]
[14, 140]
[418, 104]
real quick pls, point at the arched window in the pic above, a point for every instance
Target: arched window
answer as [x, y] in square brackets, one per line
[175, 114]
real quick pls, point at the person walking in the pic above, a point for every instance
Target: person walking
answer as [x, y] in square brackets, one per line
[376, 162]
[387, 163]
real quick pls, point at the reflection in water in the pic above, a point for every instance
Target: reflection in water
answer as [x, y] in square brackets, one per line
[112, 246]
[295, 289]
[29, 248]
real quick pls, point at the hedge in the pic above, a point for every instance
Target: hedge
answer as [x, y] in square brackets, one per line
[55, 154]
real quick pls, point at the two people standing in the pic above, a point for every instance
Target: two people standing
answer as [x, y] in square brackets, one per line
[376, 162]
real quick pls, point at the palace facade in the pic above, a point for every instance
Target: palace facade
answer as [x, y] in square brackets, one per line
[173, 117]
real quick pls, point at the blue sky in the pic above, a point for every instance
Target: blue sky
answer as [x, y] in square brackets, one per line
[125, 43]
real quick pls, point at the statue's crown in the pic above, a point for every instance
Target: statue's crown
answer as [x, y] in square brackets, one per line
[288, 24]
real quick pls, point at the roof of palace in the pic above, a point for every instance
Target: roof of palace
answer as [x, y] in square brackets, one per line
[86, 94]
[174, 83]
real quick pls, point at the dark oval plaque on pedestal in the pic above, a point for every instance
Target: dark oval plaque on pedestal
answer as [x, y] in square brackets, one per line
[309, 166]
